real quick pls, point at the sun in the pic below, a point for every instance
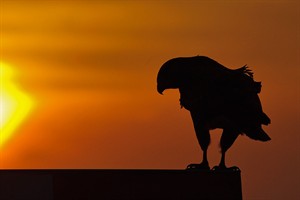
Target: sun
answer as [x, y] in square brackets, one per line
[15, 104]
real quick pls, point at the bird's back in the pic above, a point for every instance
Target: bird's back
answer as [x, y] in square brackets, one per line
[217, 92]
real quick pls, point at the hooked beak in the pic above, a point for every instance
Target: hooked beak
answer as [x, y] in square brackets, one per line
[160, 89]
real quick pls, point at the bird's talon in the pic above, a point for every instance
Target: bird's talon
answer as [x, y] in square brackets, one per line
[201, 167]
[225, 169]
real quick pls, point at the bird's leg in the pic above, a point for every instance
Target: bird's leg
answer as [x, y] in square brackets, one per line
[203, 137]
[227, 139]
[204, 158]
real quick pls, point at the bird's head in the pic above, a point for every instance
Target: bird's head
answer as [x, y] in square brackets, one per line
[168, 76]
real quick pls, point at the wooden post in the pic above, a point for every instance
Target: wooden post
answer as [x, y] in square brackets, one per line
[119, 184]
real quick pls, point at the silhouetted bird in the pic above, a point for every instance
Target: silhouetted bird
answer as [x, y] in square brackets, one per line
[217, 97]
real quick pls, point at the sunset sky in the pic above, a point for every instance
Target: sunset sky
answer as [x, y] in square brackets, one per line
[89, 69]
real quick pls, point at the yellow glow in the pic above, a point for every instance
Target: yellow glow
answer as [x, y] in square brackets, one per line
[14, 104]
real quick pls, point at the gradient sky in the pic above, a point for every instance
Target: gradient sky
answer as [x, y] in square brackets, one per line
[91, 68]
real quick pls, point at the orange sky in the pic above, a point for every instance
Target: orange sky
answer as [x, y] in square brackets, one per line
[91, 69]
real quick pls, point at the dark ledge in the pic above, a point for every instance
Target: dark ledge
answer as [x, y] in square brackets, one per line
[118, 184]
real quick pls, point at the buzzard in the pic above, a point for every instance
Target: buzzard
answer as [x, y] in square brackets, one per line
[217, 97]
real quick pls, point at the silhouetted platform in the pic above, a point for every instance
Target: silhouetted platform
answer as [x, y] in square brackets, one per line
[118, 184]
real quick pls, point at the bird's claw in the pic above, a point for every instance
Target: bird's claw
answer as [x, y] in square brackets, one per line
[198, 167]
[225, 169]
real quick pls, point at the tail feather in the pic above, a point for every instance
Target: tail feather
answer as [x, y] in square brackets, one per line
[265, 119]
[258, 134]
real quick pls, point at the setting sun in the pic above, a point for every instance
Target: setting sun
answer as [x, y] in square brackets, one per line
[14, 104]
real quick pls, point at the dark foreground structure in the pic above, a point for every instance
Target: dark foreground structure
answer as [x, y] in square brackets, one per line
[119, 184]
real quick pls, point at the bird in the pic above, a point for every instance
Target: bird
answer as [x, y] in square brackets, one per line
[217, 97]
